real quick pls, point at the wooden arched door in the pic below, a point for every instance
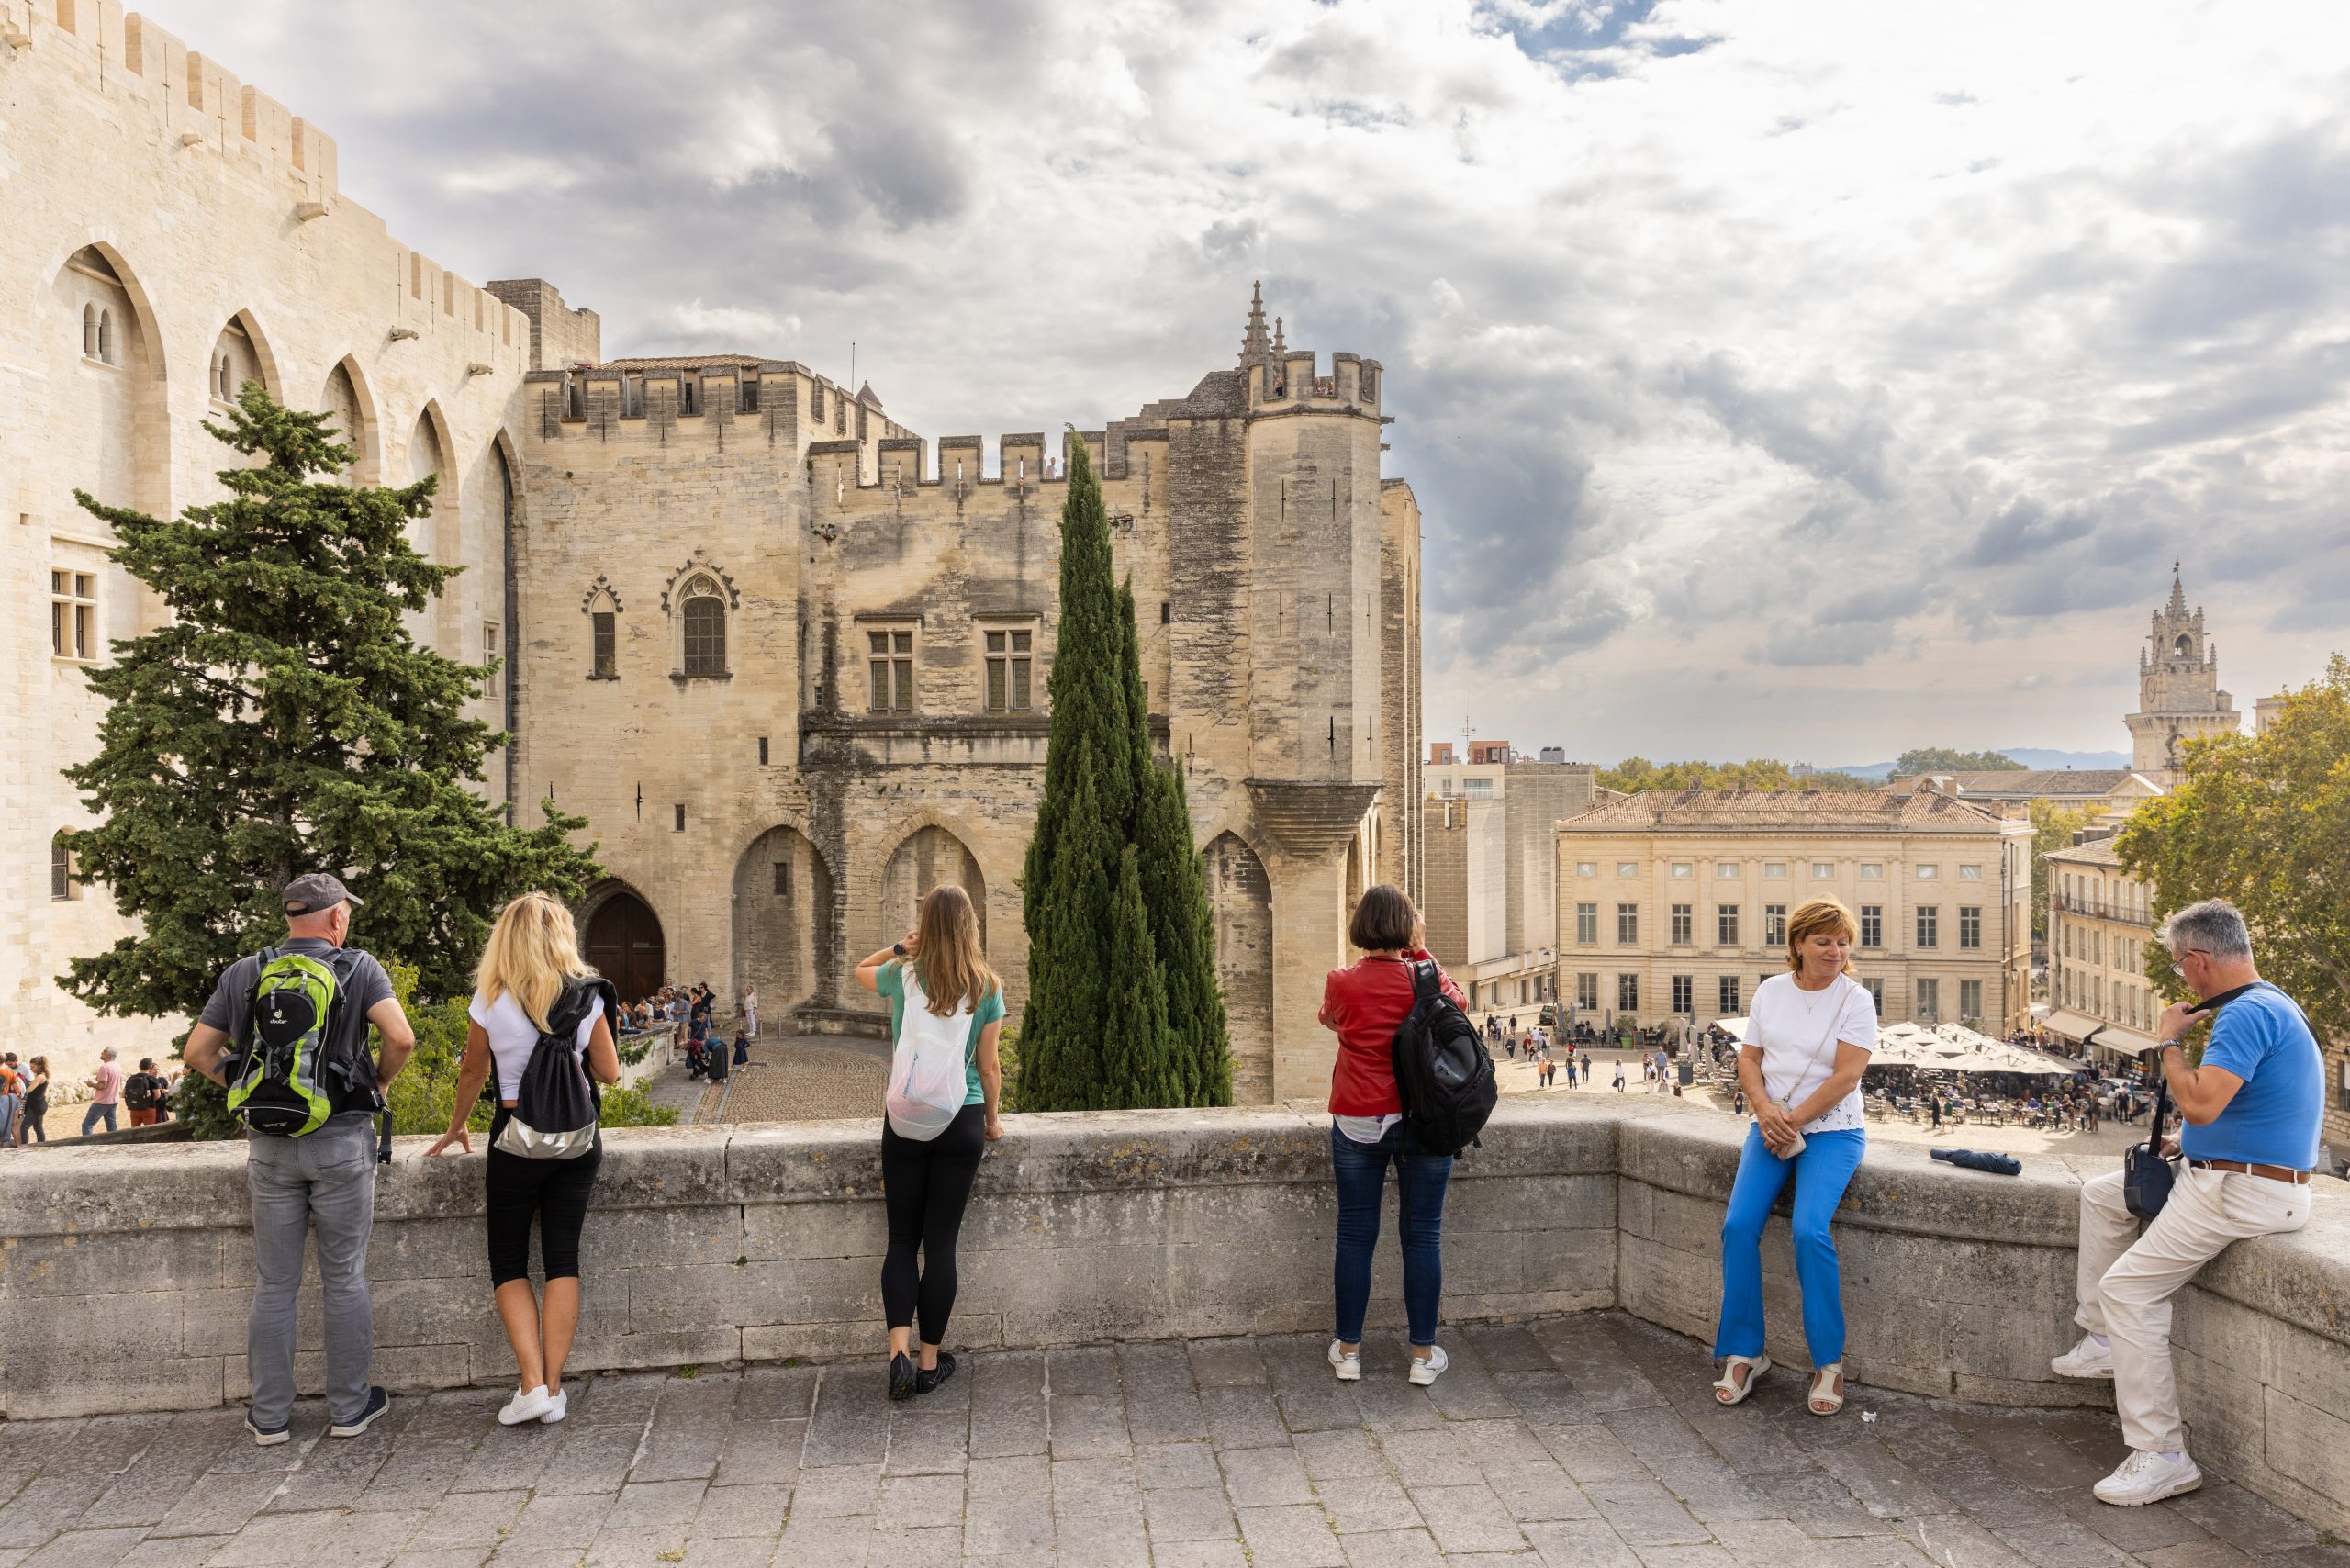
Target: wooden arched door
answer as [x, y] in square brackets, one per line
[625, 947]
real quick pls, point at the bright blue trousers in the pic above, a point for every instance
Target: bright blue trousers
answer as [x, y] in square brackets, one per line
[1821, 1172]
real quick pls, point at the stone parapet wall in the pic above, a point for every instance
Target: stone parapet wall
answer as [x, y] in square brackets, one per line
[125, 1275]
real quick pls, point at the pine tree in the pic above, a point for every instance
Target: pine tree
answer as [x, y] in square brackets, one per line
[284, 720]
[1138, 1069]
[1068, 919]
[1182, 923]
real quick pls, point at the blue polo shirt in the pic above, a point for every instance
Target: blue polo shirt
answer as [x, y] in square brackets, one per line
[2274, 1119]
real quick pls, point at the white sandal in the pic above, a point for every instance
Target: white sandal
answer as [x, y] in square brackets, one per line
[1728, 1391]
[1830, 1375]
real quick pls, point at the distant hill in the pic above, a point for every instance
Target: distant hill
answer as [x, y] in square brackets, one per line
[2029, 756]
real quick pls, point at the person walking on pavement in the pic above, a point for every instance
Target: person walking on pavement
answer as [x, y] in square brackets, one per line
[107, 1084]
[317, 1184]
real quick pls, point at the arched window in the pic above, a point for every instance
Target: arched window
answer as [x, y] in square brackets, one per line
[2180, 646]
[227, 383]
[89, 332]
[63, 882]
[603, 637]
[106, 336]
[705, 618]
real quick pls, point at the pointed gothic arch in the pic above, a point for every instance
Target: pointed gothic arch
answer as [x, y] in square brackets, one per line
[930, 857]
[1241, 894]
[108, 368]
[350, 404]
[786, 938]
[240, 353]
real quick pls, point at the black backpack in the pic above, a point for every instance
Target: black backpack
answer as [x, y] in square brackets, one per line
[555, 1104]
[1443, 1070]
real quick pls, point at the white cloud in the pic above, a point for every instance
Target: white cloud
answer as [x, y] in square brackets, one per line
[1757, 367]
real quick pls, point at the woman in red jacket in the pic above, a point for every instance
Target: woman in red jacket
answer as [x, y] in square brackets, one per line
[1363, 1003]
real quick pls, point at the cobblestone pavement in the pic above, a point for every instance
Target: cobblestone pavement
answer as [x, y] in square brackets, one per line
[804, 1079]
[1587, 1442]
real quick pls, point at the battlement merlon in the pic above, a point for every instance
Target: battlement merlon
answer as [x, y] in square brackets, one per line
[1289, 385]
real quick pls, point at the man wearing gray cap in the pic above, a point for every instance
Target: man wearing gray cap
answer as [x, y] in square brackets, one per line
[312, 1166]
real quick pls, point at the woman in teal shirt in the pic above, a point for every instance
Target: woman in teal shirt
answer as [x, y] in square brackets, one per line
[925, 1185]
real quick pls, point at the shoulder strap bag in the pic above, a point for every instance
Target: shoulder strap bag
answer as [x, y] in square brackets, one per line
[1835, 1016]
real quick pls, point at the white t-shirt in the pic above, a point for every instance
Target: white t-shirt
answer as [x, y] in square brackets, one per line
[1797, 1032]
[512, 1035]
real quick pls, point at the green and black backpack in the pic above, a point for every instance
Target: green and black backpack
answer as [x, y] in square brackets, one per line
[290, 1075]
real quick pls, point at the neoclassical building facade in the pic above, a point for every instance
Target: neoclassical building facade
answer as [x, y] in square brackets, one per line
[790, 661]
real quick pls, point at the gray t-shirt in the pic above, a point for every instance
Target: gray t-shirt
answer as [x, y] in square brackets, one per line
[228, 1010]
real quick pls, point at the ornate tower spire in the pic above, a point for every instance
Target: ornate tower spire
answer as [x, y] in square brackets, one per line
[1280, 344]
[2178, 607]
[1253, 348]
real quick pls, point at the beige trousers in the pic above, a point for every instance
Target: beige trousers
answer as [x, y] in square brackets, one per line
[2126, 1279]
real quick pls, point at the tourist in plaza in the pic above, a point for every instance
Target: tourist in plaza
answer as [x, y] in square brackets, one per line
[1619, 1075]
[12, 1101]
[531, 982]
[743, 1038]
[106, 1085]
[1808, 1037]
[321, 1183]
[29, 1128]
[2252, 1110]
[750, 1013]
[926, 1184]
[143, 1092]
[1363, 1005]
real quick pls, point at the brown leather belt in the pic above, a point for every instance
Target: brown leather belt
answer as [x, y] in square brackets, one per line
[2273, 1172]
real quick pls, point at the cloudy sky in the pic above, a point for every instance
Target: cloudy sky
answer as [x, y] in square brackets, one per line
[1800, 379]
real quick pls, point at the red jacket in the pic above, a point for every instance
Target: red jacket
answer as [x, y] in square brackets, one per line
[1364, 1002]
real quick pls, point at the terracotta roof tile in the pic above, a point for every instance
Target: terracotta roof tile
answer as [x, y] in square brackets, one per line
[1805, 810]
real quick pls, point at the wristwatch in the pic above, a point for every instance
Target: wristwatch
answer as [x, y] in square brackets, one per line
[899, 948]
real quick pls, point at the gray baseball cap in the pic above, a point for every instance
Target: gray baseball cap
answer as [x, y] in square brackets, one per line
[318, 890]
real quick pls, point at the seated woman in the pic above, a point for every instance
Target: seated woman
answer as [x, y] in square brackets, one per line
[1808, 1041]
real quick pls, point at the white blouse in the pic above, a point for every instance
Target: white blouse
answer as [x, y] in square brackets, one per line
[512, 1035]
[1797, 1032]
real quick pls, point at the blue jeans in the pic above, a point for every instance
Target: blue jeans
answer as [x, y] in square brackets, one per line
[1821, 1172]
[90, 1117]
[8, 1106]
[1361, 1171]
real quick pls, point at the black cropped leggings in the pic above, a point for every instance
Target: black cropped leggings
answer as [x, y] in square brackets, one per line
[556, 1191]
[924, 1187]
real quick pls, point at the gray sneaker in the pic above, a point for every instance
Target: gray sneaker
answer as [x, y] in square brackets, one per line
[1424, 1372]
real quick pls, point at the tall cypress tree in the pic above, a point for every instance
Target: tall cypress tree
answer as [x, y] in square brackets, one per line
[284, 720]
[1112, 1020]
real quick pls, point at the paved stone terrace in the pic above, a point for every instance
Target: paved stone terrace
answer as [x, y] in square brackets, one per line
[1579, 1442]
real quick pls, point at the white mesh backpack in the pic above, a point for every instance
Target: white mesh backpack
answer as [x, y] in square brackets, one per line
[927, 1082]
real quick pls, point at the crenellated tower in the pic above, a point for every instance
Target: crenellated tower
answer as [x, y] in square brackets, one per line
[2179, 688]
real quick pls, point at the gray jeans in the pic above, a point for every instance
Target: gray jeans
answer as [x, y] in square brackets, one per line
[325, 1181]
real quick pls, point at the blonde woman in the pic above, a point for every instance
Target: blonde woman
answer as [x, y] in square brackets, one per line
[925, 1185]
[1808, 1037]
[533, 979]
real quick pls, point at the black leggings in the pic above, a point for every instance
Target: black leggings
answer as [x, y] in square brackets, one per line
[556, 1190]
[924, 1187]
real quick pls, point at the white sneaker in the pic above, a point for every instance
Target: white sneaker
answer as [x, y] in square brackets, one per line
[2149, 1478]
[2088, 1359]
[529, 1404]
[1348, 1366]
[557, 1403]
[1428, 1372]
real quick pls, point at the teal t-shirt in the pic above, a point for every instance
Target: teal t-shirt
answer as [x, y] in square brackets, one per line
[891, 985]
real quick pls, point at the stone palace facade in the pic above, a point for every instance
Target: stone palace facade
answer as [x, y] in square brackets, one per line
[789, 659]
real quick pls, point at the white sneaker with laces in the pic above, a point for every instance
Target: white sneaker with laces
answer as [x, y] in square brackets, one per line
[527, 1404]
[557, 1403]
[1347, 1366]
[2088, 1359]
[1424, 1372]
[2149, 1478]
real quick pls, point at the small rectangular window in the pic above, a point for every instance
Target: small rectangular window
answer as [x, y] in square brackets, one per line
[1872, 871]
[60, 868]
[1823, 870]
[1926, 873]
[1726, 925]
[681, 819]
[1627, 868]
[763, 751]
[1587, 867]
[1970, 1000]
[748, 394]
[1627, 925]
[1876, 995]
[1929, 1000]
[1726, 868]
[1930, 925]
[1009, 653]
[1684, 995]
[1683, 924]
[1970, 925]
[1872, 925]
[1970, 873]
[1774, 925]
[1727, 999]
[1627, 994]
[1682, 868]
[783, 879]
[891, 670]
[73, 615]
[489, 642]
[1587, 998]
[1587, 924]
[1166, 612]
[1775, 869]
[603, 657]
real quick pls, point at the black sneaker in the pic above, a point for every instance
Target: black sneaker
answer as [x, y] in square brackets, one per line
[926, 1380]
[902, 1378]
[378, 1402]
[267, 1437]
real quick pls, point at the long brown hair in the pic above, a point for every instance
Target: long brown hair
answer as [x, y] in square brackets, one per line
[953, 966]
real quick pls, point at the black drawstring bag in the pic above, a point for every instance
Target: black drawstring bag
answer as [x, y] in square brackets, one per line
[555, 1105]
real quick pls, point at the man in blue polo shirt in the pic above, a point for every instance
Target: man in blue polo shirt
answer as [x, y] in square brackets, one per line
[2252, 1110]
